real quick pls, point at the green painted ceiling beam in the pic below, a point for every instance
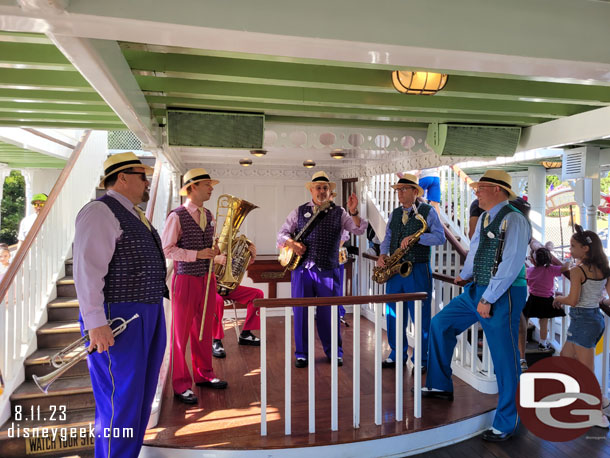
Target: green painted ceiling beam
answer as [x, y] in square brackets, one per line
[159, 105]
[60, 117]
[20, 157]
[33, 56]
[70, 124]
[251, 71]
[354, 99]
[56, 107]
[24, 37]
[49, 96]
[57, 80]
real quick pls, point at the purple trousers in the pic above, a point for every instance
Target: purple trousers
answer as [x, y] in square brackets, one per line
[124, 379]
[315, 283]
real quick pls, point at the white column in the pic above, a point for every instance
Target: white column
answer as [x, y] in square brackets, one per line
[536, 196]
[591, 202]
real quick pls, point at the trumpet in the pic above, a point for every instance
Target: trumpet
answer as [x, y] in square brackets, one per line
[58, 360]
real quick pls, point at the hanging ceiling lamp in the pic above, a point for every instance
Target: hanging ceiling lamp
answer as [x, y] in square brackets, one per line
[245, 162]
[337, 154]
[309, 164]
[420, 83]
[258, 152]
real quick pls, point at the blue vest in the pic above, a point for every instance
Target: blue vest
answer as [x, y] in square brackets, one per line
[136, 272]
[419, 253]
[193, 238]
[486, 252]
[323, 241]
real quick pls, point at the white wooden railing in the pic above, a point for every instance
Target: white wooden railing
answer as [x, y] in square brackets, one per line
[29, 283]
[310, 303]
[470, 364]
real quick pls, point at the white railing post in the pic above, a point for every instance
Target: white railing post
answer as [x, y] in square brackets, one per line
[334, 401]
[356, 366]
[400, 333]
[263, 338]
[287, 370]
[311, 370]
[378, 363]
[417, 348]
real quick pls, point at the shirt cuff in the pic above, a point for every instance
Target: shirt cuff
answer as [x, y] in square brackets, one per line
[95, 319]
[191, 255]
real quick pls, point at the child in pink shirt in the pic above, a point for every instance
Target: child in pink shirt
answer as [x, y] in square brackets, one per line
[541, 287]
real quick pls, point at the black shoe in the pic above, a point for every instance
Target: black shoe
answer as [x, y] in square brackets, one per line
[247, 338]
[300, 363]
[490, 436]
[188, 397]
[388, 363]
[444, 395]
[218, 351]
[214, 383]
[339, 360]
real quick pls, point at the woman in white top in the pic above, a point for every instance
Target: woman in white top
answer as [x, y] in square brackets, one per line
[588, 279]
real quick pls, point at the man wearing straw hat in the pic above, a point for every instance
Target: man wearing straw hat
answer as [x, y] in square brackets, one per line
[318, 273]
[492, 298]
[401, 226]
[188, 240]
[119, 271]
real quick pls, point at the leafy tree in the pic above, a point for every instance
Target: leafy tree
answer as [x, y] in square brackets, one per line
[12, 207]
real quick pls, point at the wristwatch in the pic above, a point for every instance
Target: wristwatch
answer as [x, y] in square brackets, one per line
[354, 214]
[484, 301]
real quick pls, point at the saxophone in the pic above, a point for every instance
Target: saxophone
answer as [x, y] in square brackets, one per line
[392, 264]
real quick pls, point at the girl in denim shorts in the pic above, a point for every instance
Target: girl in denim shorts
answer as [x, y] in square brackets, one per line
[588, 279]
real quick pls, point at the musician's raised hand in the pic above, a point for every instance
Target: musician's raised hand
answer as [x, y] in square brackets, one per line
[101, 338]
[381, 260]
[352, 203]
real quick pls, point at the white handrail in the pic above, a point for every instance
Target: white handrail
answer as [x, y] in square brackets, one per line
[334, 368]
[23, 308]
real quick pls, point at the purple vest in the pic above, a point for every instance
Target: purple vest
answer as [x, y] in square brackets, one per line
[323, 241]
[193, 238]
[136, 272]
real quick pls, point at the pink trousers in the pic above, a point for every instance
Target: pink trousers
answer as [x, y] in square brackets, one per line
[188, 294]
[243, 295]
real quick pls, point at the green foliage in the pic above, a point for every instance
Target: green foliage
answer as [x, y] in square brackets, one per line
[552, 180]
[605, 184]
[12, 207]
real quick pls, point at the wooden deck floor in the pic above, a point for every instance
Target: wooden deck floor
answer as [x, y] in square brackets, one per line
[230, 419]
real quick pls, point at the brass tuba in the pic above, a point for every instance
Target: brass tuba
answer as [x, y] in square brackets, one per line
[393, 264]
[235, 248]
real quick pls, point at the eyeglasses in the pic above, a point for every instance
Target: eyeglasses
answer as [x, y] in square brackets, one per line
[403, 189]
[142, 175]
[38, 204]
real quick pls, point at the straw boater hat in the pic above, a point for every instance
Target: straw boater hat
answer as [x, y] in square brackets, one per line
[410, 180]
[320, 177]
[498, 178]
[195, 176]
[122, 161]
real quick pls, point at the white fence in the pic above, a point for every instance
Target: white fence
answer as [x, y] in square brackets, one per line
[288, 357]
[23, 307]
